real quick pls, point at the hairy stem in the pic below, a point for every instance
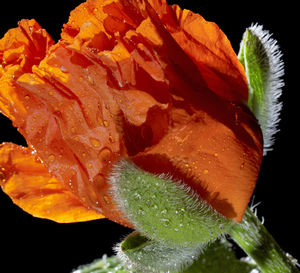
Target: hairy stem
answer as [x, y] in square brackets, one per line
[258, 243]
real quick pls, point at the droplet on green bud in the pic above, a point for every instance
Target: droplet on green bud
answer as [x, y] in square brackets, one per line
[175, 217]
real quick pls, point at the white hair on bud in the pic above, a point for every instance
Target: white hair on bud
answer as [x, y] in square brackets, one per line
[270, 114]
[158, 257]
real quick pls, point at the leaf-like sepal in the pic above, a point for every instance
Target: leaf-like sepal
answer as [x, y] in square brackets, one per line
[164, 210]
[140, 254]
[216, 257]
[262, 59]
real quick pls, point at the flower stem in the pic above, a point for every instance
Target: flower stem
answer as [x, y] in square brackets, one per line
[258, 243]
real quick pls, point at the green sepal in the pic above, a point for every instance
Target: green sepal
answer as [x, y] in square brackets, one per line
[164, 210]
[217, 257]
[220, 257]
[262, 60]
[140, 254]
[104, 265]
[255, 60]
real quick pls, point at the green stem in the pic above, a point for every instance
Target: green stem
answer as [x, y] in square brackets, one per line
[258, 243]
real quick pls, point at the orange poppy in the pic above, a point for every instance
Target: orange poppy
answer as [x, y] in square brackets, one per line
[128, 79]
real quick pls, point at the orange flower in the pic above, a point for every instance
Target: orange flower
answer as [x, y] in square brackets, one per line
[135, 79]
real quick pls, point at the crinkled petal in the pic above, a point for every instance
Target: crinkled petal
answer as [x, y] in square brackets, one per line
[76, 110]
[128, 79]
[32, 188]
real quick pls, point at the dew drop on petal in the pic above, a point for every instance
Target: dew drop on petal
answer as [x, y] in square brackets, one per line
[105, 123]
[63, 69]
[95, 142]
[105, 156]
[106, 199]
[51, 158]
[91, 80]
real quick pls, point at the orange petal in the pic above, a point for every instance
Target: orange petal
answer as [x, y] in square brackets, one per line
[216, 152]
[72, 109]
[31, 187]
[20, 49]
[208, 47]
[25, 45]
[127, 78]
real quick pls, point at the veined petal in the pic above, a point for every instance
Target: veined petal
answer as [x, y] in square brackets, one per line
[32, 188]
[137, 79]
[207, 45]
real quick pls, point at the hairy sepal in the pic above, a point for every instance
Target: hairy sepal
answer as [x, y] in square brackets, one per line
[140, 254]
[262, 60]
[164, 210]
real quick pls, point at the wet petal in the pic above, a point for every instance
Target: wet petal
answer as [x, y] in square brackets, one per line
[74, 111]
[218, 156]
[31, 187]
[127, 80]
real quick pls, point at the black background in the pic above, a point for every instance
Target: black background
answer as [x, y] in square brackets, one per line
[34, 245]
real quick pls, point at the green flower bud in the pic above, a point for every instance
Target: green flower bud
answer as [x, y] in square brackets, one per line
[164, 210]
[261, 57]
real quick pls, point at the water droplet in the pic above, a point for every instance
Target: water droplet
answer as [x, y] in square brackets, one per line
[51, 158]
[27, 98]
[111, 139]
[106, 199]
[137, 196]
[105, 123]
[165, 221]
[141, 211]
[95, 142]
[91, 80]
[164, 211]
[63, 69]
[105, 156]
[242, 165]
[205, 171]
